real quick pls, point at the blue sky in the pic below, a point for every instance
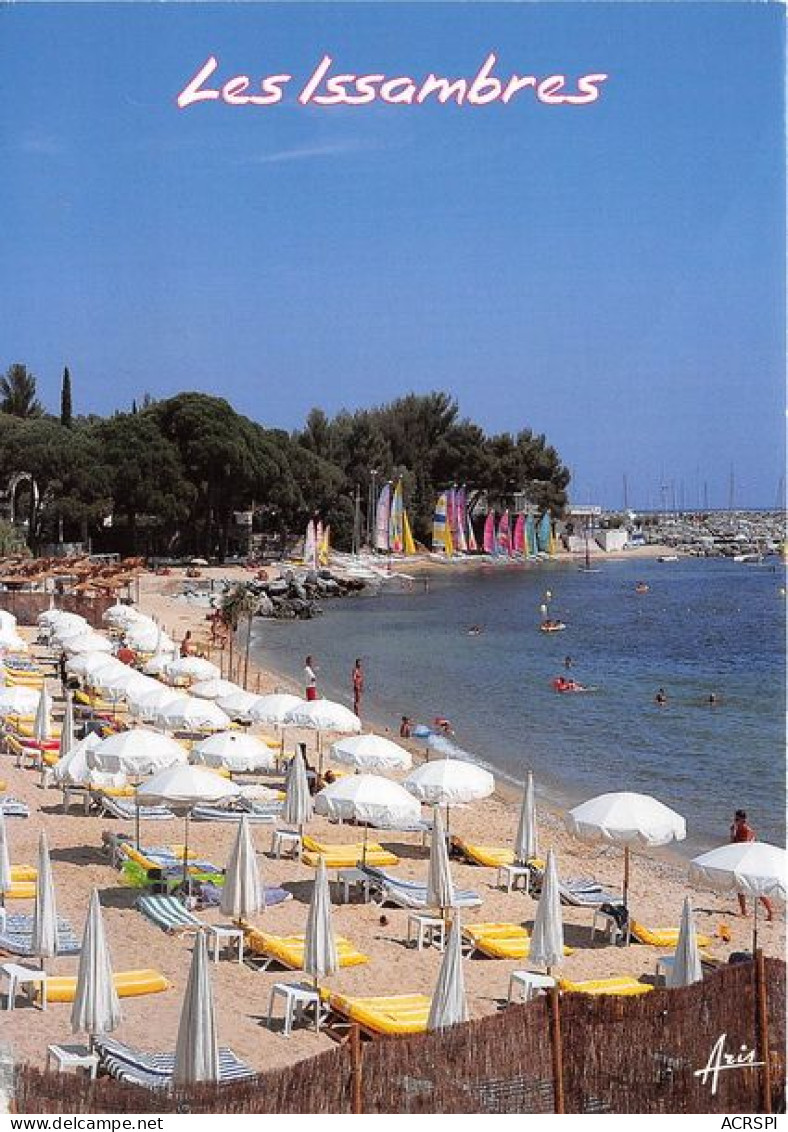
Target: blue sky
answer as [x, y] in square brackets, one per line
[611, 275]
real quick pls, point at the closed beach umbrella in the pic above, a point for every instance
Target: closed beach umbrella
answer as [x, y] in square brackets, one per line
[5, 861]
[298, 801]
[371, 752]
[42, 726]
[44, 941]
[242, 895]
[238, 705]
[274, 708]
[320, 950]
[67, 728]
[18, 701]
[449, 1002]
[440, 888]
[526, 845]
[547, 938]
[368, 798]
[191, 668]
[136, 752]
[197, 1048]
[96, 1008]
[234, 751]
[188, 713]
[686, 968]
[324, 715]
[751, 868]
[626, 819]
[214, 689]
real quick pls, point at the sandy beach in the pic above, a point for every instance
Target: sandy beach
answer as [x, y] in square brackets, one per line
[658, 886]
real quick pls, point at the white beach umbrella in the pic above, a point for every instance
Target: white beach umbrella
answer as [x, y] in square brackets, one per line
[18, 701]
[73, 768]
[440, 887]
[371, 752]
[5, 861]
[526, 845]
[42, 725]
[547, 937]
[191, 668]
[238, 705]
[96, 1008]
[44, 940]
[298, 801]
[10, 641]
[242, 895]
[449, 782]
[136, 752]
[214, 689]
[751, 868]
[197, 1047]
[180, 788]
[275, 708]
[147, 637]
[64, 631]
[88, 665]
[626, 819]
[120, 614]
[67, 729]
[323, 715]
[87, 642]
[145, 702]
[53, 617]
[187, 713]
[157, 664]
[320, 949]
[7, 620]
[449, 1001]
[234, 751]
[686, 968]
[368, 798]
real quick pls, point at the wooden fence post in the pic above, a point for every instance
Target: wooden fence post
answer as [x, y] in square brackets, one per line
[557, 1049]
[762, 1023]
[356, 1080]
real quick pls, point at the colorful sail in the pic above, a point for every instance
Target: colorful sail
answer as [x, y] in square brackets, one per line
[396, 532]
[518, 538]
[382, 516]
[324, 546]
[544, 533]
[441, 532]
[471, 539]
[489, 533]
[409, 544]
[530, 536]
[460, 521]
[504, 544]
[310, 545]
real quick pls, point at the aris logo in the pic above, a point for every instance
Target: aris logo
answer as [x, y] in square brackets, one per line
[720, 1060]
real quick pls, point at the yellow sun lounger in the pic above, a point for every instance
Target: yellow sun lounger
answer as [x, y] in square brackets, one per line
[106, 707]
[501, 941]
[128, 984]
[624, 985]
[391, 1014]
[24, 872]
[490, 855]
[346, 856]
[27, 730]
[21, 890]
[660, 937]
[288, 950]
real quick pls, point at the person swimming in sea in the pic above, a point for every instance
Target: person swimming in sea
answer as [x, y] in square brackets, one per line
[661, 697]
[475, 630]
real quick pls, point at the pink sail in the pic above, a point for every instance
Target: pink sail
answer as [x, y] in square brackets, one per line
[489, 533]
[504, 544]
[460, 521]
[471, 538]
[518, 538]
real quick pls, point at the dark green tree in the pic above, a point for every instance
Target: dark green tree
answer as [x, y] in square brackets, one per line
[18, 392]
[65, 400]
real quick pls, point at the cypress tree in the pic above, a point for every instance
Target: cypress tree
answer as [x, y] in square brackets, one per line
[65, 399]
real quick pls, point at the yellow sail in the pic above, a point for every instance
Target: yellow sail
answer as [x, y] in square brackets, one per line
[409, 544]
[324, 550]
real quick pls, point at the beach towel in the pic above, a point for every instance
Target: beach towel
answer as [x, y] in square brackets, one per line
[17, 937]
[154, 1070]
[389, 889]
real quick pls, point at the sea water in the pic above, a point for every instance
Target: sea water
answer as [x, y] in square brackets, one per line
[704, 626]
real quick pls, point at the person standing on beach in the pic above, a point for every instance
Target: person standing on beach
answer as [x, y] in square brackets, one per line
[186, 644]
[357, 678]
[741, 830]
[310, 678]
